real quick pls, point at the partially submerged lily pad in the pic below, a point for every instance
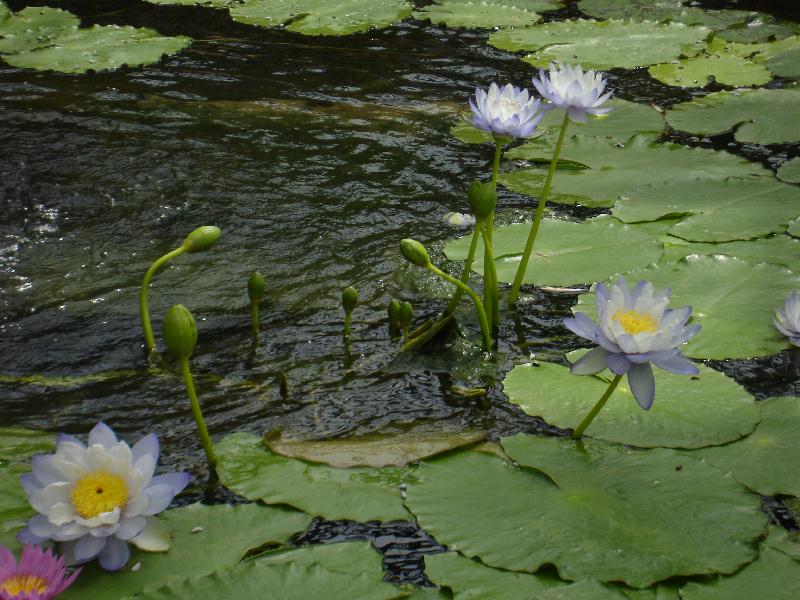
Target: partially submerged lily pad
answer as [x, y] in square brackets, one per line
[565, 252]
[779, 250]
[566, 506]
[321, 17]
[247, 467]
[766, 460]
[602, 45]
[759, 116]
[790, 171]
[732, 299]
[374, 450]
[206, 539]
[485, 13]
[689, 412]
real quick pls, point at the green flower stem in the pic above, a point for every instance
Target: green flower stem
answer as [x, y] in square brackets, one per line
[490, 290]
[254, 316]
[205, 439]
[537, 219]
[597, 407]
[144, 313]
[346, 333]
[419, 340]
[451, 306]
[487, 335]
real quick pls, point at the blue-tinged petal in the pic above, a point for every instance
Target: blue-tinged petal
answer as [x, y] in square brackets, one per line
[602, 292]
[114, 555]
[131, 527]
[590, 363]
[618, 363]
[638, 359]
[642, 384]
[675, 363]
[26, 536]
[576, 115]
[103, 435]
[89, 546]
[67, 438]
[160, 497]
[583, 326]
[177, 481]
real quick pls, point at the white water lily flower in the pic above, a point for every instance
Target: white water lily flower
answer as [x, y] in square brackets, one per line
[95, 499]
[635, 329]
[570, 88]
[507, 111]
[457, 219]
[787, 319]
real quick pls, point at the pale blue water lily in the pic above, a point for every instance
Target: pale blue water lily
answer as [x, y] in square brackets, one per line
[787, 319]
[568, 87]
[508, 111]
[96, 498]
[635, 329]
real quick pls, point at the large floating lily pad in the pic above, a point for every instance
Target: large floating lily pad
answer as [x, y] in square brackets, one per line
[34, 27]
[485, 13]
[773, 575]
[375, 450]
[206, 539]
[766, 460]
[718, 211]
[610, 514]
[322, 17]
[790, 171]
[566, 252]
[208, 3]
[758, 116]
[614, 169]
[689, 412]
[603, 45]
[249, 468]
[780, 249]
[732, 299]
[100, 48]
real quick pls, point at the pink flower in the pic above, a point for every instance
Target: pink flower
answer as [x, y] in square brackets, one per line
[39, 575]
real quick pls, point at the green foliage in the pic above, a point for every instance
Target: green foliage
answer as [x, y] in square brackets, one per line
[34, 27]
[603, 45]
[732, 299]
[758, 116]
[689, 412]
[790, 171]
[593, 511]
[247, 467]
[485, 13]
[780, 249]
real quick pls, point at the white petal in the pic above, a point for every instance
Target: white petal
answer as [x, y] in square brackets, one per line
[103, 435]
[155, 537]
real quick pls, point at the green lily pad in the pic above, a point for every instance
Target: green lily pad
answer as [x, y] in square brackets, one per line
[718, 211]
[614, 169]
[766, 460]
[758, 116]
[780, 250]
[4, 11]
[773, 575]
[732, 299]
[485, 13]
[794, 228]
[247, 467]
[34, 27]
[207, 3]
[665, 10]
[100, 48]
[786, 64]
[565, 252]
[374, 450]
[354, 558]
[322, 17]
[689, 412]
[728, 63]
[602, 45]
[760, 29]
[790, 171]
[17, 444]
[783, 541]
[223, 535]
[610, 514]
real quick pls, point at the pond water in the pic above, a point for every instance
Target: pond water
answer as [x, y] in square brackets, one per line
[315, 156]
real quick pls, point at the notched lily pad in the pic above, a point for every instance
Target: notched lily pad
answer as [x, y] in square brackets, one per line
[374, 450]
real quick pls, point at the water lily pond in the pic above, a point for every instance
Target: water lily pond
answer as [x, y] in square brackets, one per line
[388, 463]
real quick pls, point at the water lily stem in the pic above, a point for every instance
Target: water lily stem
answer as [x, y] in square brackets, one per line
[597, 407]
[346, 333]
[490, 289]
[144, 313]
[205, 439]
[487, 336]
[254, 317]
[473, 244]
[537, 219]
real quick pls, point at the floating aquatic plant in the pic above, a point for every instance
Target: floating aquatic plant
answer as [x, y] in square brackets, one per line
[40, 575]
[96, 498]
[635, 329]
[349, 303]
[255, 292]
[787, 318]
[406, 317]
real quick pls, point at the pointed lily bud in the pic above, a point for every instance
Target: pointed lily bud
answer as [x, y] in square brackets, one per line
[349, 299]
[255, 287]
[201, 238]
[406, 315]
[394, 313]
[482, 198]
[180, 331]
[414, 252]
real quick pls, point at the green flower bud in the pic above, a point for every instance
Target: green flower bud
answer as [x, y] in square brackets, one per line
[482, 198]
[349, 299]
[180, 331]
[394, 312]
[406, 314]
[201, 238]
[255, 287]
[414, 252]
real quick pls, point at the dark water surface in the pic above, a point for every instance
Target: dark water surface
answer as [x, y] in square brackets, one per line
[315, 156]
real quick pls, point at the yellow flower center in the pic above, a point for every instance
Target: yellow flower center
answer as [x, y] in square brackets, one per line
[97, 493]
[23, 584]
[634, 322]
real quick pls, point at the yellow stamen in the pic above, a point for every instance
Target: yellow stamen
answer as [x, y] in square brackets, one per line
[97, 493]
[23, 584]
[634, 322]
